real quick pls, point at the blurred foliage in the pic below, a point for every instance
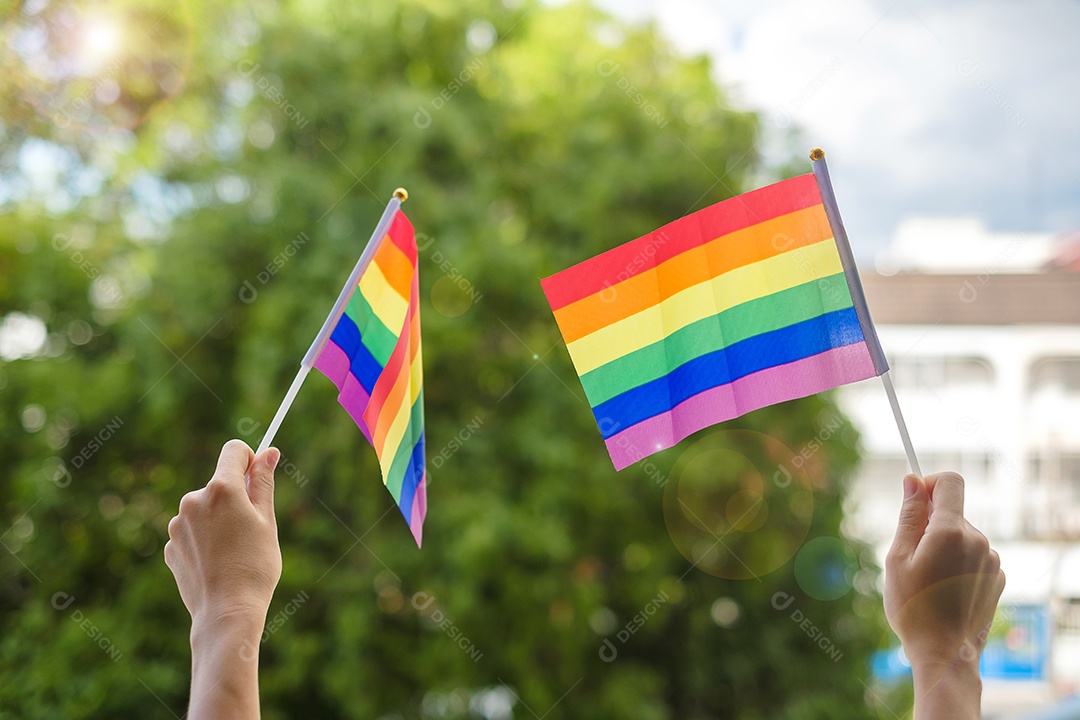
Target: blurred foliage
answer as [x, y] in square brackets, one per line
[184, 186]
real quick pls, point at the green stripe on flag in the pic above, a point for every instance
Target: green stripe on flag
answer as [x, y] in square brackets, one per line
[376, 337]
[754, 317]
[396, 476]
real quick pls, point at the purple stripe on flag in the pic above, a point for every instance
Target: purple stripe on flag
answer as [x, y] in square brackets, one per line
[808, 376]
[334, 364]
[354, 398]
[419, 511]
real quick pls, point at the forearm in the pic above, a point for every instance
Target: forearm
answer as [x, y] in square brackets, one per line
[947, 690]
[225, 669]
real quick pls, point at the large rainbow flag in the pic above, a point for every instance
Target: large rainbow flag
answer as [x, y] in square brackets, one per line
[373, 356]
[738, 306]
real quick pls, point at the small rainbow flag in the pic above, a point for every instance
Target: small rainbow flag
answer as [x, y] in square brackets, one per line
[373, 356]
[738, 306]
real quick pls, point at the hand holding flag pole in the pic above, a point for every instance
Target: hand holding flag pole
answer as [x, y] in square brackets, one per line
[847, 258]
[749, 302]
[369, 347]
[400, 195]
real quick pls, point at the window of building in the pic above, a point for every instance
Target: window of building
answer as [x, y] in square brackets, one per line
[1069, 617]
[932, 373]
[968, 371]
[1052, 499]
[975, 467]
[1061, 372]
[884, 468]
[1059, 474]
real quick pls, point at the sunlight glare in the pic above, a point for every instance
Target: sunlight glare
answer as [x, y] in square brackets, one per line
[101, 39]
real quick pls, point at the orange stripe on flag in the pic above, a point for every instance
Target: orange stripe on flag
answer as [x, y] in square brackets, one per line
[390, 390]
[692, 267]
[395, 401]
[396, 268]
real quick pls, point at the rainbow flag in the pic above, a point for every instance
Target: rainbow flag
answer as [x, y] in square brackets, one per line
[744, 304]
[373, 356]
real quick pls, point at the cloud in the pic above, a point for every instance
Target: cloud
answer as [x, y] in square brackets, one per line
[961, 108]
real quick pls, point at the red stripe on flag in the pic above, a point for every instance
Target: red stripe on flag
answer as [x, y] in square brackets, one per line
[402, 234]
[625, 261]
[388, 392]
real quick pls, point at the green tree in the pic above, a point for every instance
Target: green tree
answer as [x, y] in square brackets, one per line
[180, 214]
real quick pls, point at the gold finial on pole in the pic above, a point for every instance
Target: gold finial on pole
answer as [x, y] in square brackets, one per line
[817, 154]
[401, 194]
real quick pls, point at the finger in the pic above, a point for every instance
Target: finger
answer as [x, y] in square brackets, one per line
[914, 514]
[947, 492]
[191, 503]
[180, 533]
[261, 482]
[233, 463]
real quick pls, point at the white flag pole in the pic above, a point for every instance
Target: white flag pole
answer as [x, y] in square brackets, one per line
[858, 298]
[900, 424]
[400, 195]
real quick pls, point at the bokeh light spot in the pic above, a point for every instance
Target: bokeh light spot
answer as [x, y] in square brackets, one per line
[725, 612]
[449, 299]
[825, 568]
[727, 513]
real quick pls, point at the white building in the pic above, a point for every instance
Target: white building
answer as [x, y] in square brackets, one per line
[982, 332]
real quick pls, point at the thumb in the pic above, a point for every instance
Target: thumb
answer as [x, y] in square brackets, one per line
[261, 481]
[914, 514]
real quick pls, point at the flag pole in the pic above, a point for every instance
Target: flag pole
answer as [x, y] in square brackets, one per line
[900, 424]
[858, 298]
[400, 196]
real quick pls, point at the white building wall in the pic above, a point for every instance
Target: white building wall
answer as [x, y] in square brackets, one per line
[989, 428]
[986, 424]
[971, 404]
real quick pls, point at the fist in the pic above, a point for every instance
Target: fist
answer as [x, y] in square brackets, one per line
[223, 545]
[942, 580]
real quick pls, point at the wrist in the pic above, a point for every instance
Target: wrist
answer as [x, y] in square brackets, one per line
[947, 687]
[957, 667]
[225, 665]
[940, 654]
[238, 626]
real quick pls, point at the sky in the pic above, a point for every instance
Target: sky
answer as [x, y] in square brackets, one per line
[946, 108]
[942, 109]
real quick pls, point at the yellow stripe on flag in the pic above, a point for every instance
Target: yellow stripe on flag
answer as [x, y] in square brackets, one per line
[703, 300]
[400, 422]
[384, 300]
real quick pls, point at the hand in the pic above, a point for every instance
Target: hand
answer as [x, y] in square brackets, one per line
[223, 546]
[942, 584]
[223, 552]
